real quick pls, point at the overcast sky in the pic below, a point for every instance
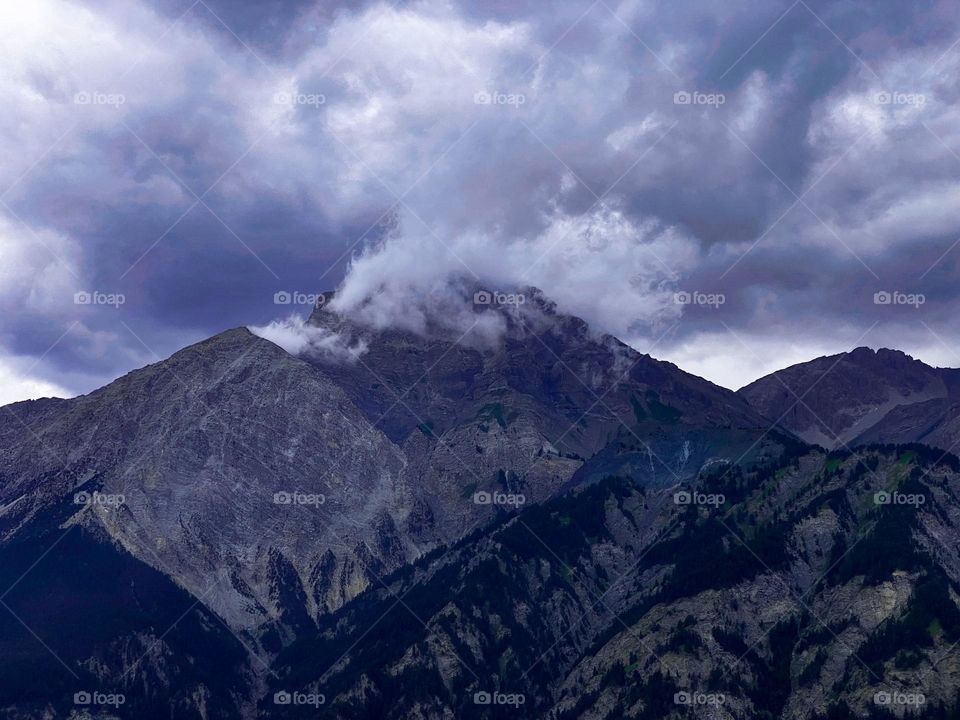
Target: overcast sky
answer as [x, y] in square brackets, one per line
[733, 186]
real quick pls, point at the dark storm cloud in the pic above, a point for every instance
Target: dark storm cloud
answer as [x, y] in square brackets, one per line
[514, 142]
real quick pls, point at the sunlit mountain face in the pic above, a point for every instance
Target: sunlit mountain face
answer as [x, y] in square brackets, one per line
[479, 360]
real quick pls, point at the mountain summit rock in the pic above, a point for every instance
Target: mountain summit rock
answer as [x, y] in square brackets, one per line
[862, 396]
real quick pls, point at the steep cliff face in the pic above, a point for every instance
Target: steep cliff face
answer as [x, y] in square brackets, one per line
[242, 473]
[87, 630]
[816, 585]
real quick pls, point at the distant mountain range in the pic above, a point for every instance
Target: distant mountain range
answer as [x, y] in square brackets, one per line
[863, 396]
[538, 522]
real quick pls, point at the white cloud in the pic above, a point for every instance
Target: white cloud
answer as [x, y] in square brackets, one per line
[297, 337]
[17, 385]
[604, 267]
[37, 268]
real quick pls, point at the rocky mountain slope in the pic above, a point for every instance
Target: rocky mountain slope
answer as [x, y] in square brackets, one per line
[87, 630]
[863, 396]
[535, 521]
[273, 490]
[202, 449]
[543, 398]
[811, 586]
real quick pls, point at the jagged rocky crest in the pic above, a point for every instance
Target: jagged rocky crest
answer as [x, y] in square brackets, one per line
[863, 396]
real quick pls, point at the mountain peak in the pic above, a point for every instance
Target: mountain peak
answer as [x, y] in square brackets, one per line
[835, 400]
[868, 354]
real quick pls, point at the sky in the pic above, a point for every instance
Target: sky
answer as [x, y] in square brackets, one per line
[734, 187]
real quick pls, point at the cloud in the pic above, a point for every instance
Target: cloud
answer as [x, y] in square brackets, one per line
[623, 279]
[199, 160]
[299, 338]
[17, 384]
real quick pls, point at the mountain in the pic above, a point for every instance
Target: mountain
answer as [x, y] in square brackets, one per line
[548, 400]
[83, 619]
[813, 586]
[270, 491]
[528, 521]
[863, 396]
